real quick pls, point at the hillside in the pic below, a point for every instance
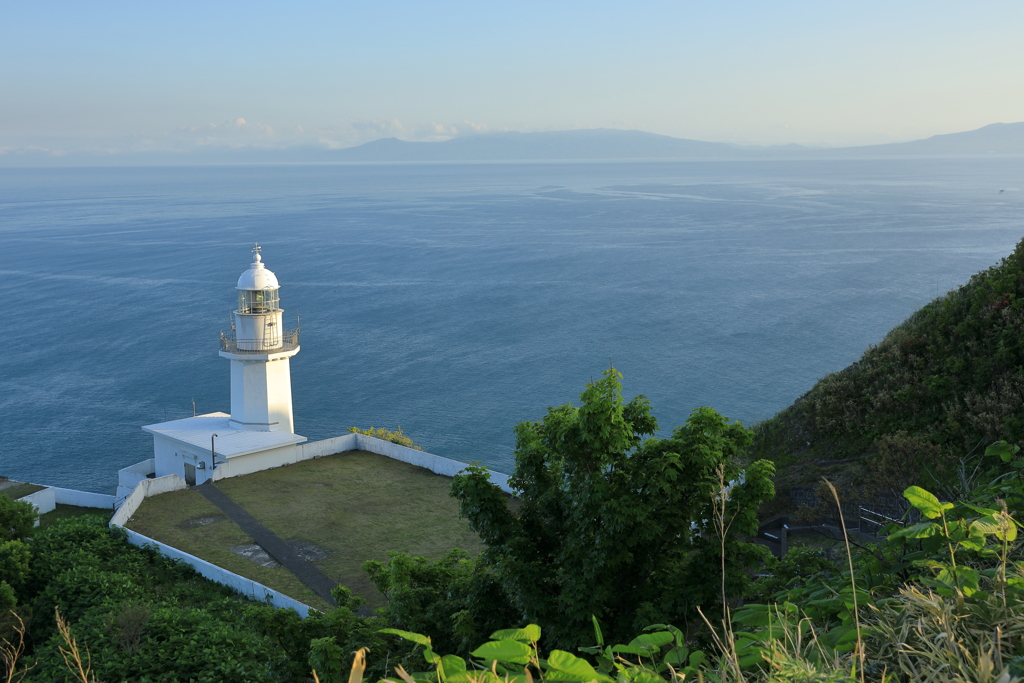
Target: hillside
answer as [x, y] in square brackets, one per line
[590, 144]
[995, 138]
[951, 376]
[604, 144]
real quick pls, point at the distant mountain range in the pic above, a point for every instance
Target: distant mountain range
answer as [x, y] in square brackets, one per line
[567, 145]
[606, 143]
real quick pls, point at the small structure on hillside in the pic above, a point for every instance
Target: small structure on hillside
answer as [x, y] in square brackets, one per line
[259, 432]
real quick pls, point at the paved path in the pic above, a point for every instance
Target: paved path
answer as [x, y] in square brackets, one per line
[306, 572]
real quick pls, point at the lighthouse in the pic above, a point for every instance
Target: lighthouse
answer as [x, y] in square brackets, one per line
[259, 433]
[260, 351]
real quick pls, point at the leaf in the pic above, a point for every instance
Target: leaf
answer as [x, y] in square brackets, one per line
[453, 665]
[597, 632]
[408, 635]
[504, 651]
[922, 530]
[1004, 450]
[652, 641]
[529, 633]
[677, 655]
[926, 502]
[569, 664]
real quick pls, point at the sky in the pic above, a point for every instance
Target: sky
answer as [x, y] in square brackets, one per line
[114, 78]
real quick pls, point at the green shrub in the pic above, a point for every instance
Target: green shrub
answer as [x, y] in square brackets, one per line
[397, 436]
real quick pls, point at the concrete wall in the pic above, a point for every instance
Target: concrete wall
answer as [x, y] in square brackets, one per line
[144, 489]
[434, 463]
[318, 449]
[247, 587]
[83, 499]
[288, 455]
[44, 500]
[165, 457]
[255, 462]
[128, 477]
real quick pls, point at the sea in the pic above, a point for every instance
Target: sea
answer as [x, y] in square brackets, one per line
[457, 300]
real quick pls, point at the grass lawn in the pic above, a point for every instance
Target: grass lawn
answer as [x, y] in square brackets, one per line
[65, 511]
[356, 505]
[187, 521]
[20, 490]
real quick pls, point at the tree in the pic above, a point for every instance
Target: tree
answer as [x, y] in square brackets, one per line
[613, 524]
[16, 520]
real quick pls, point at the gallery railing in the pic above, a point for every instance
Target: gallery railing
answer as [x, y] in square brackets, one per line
[288, 341]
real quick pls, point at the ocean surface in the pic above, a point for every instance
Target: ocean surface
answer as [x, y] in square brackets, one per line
[456, 300]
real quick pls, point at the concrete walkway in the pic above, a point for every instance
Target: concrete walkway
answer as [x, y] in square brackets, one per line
[306, 572]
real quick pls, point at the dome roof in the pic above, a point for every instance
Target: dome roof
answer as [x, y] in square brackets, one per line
[258, 277]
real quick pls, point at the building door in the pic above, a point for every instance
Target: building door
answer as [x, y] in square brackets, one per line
[190, 474]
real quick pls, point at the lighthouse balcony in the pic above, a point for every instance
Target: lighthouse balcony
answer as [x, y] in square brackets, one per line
[286, 341]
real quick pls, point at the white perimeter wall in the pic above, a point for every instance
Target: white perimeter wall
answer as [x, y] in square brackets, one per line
[46, 500]
[247, 587]
[278, 457]
[143, 490]
[265, 460]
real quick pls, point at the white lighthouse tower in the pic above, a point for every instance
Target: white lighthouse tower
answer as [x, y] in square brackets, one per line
[259, 349]
[260, 431]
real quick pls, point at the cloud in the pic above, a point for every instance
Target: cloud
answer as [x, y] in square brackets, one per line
[240, 133]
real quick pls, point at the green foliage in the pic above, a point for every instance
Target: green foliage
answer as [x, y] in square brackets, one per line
[455, 597]
[140, 615]
[327, 658]
[16, 519]
[14, 563]
[934, 592]
[513, 656]
[397, 436]
[791, 571]
[615, 525]
[951, 374]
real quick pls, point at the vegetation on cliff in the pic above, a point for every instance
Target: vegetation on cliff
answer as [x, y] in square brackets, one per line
[950, 379]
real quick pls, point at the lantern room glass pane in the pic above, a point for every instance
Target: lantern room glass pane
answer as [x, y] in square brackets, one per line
[258, 301]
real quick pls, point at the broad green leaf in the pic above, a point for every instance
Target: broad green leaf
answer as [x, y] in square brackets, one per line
[408, 635]
[572, 665]
[453, 665]
[597, 632]
[529, 633]
[922, 530]
[965, 578]
[926, 502]
[1004, 450]
[986, 525]
[504, 651]
[652, 641]
[677, 656]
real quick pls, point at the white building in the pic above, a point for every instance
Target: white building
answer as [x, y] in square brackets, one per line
[259, 433]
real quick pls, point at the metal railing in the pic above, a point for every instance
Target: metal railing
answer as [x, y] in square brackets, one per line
[872, 522]
[288, 341]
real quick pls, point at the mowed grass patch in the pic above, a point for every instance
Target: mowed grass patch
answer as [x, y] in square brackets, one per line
[20, 490]
[187, 521]
[357, 506]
